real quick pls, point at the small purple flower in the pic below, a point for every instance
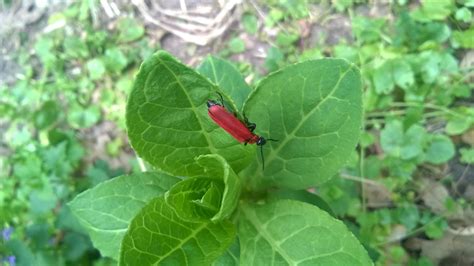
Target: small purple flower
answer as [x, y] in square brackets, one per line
[6, 233]
[11, 260]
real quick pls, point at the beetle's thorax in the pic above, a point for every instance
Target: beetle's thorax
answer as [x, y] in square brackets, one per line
[211, 103]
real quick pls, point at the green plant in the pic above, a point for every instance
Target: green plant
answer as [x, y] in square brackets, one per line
[46, 113]
[215, 203]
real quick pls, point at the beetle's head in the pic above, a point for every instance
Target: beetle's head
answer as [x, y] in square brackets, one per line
[261, 141]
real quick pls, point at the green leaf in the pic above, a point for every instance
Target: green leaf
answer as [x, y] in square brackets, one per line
[458, 125]
[236, 45]
[341, 5]
[216, 166]
[465, 39]
[467, 155]
[44, 50]
[115, 60]
[436, 229]
[414, 34]
[195, 198]
[440, 150]
[227, 77]
[158, 236]
[391, 73]
[274, 59]
[288, 232]
[96, 68]
[274, 16]
[463, 14]
[304, 196]
[286, 39]
[129, 30]
[74, 246]
[231, 256]
[80, 117]
[433, 10]
[43, 201]
[250, 23]
[47, 115]
[75, 47]
[21, 251]
[314, 111]
[167, 119]
[413, 142]
[408, 215]
[214, 194]
[368, 30]
[406, 145]
[107, 209]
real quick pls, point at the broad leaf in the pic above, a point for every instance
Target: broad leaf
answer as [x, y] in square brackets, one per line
[227, 77]
[304, 196]
[212, 195]
[167, 119]
[288, 232]
[231, 256]
[157, 236]
[440, 150]
[107, 209]
[314, 111]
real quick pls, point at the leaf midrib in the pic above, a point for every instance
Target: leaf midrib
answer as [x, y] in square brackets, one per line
[251, 217]
[193, 107]
[185, 240]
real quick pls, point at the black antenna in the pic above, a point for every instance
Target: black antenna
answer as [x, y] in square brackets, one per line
[260, 143]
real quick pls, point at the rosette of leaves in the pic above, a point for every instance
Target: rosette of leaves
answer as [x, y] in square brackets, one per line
[215, 204]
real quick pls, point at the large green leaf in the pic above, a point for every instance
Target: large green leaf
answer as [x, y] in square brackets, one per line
[288, 232]
[304, 196]
[212, 195]
[231, 256]
[167, 119]
[107, 209]
[314, 111]
[157, 236]
[227, 77]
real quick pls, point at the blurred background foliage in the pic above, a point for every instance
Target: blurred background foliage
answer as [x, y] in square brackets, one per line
[66, 69]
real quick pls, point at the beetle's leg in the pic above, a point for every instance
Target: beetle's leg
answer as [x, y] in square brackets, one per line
[247, 141]
[251, 126]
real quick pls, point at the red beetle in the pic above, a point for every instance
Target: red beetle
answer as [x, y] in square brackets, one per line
[242, 132]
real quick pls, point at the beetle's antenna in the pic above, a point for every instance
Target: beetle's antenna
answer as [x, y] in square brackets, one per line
[261, 155]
